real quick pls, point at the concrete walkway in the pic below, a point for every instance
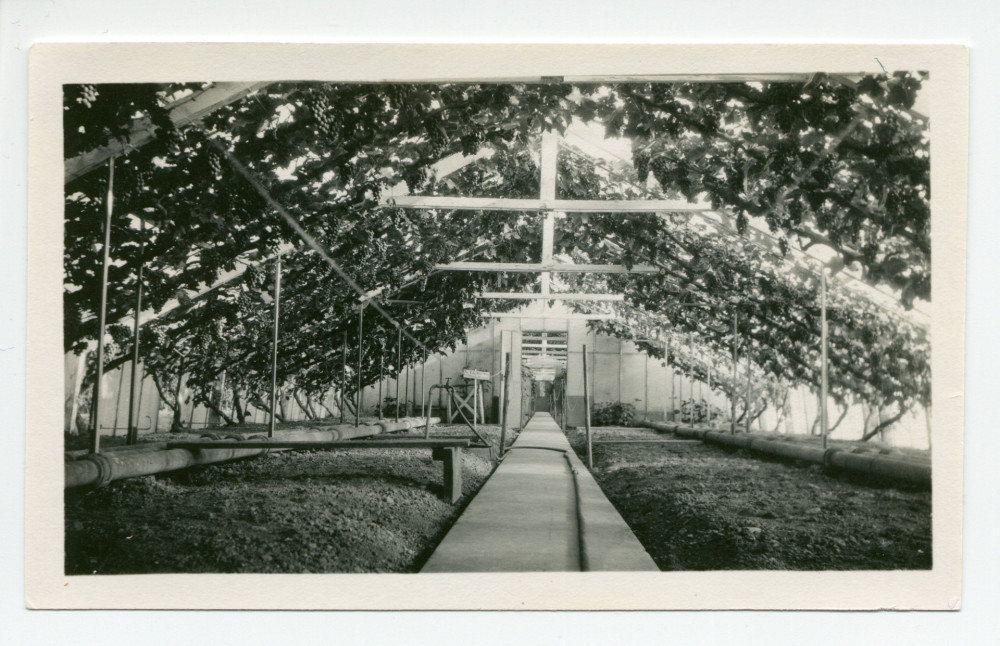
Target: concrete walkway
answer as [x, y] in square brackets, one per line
[524, 518]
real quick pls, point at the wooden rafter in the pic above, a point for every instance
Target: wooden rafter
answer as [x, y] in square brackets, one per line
[182, 112]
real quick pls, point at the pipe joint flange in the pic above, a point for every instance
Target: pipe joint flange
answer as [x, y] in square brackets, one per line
[828, 456]
[104, 468]
[382, 426]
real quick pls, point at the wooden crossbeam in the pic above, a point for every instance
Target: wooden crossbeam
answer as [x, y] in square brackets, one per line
[554, 317]
[182, 112]
[553, 296]
[536, 267]
[517, 204]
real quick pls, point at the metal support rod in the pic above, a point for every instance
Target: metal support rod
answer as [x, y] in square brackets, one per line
[671, 369]
[361, 395]
[823, 394]
[274, 346]
[441, 381]
[132, 435]
[343, 378]
[732, 387]
[95, 433]
[708, 402]
[586, 410]
[406, 393]
[399, 362]
[645, 384]
[621, 360]
[747, 414]
[503, 409]
[699, 384]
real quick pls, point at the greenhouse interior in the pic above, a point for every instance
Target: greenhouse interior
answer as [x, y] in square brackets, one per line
[653, 324]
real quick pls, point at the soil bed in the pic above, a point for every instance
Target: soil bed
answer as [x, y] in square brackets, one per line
[700, 507]
[363, 510]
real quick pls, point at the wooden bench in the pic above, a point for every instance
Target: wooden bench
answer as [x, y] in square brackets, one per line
[448, 451]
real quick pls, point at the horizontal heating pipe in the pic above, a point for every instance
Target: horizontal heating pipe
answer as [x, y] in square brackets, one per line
[866, 463]
[107, 466]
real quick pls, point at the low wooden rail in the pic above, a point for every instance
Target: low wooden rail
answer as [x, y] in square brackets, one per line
[447, 451]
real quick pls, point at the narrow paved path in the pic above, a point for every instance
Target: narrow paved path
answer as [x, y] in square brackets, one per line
[525, 517]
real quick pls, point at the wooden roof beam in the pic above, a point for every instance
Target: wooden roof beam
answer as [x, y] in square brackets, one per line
[447, 203]
[552, 296]
[182, 112]
[532, 267]
[554, 317]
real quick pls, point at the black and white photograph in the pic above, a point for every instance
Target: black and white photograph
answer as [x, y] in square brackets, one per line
[543, 319]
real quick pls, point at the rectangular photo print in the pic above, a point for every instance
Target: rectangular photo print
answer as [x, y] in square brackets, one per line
[432, 330]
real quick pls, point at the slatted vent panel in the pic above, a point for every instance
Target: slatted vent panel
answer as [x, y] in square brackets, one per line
[544, 352]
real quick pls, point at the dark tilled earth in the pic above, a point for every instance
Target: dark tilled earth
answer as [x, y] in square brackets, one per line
[700, 507]
[364, 510]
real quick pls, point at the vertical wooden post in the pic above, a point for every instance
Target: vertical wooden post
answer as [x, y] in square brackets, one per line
[482, 402]
[381, 378]
[274, 347]
[132, 435]
[927, 420]
[452, 461]
[503, 406]
[733, 386]
[823, 394]
[548, 167]
[586, 409]
[95, 433]
[424, 410]
[361, 394]
[475, 403]
[502, 386]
